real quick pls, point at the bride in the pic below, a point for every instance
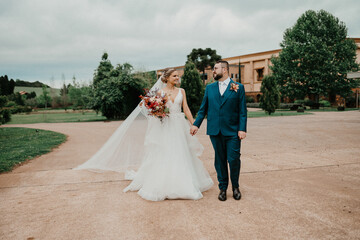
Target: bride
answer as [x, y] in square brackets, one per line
[160, 157]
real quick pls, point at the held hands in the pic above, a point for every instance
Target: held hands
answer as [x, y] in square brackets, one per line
[193, 130]
[241, 135]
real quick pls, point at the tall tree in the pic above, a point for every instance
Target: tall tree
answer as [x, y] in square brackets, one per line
[45, 98]
[270, 98]
[117, 92]
[6, 86]
[191, 82]
[104, 69]
[203, 58]
[3, 85]
[315, 58]
[11, 86]
[64, 91]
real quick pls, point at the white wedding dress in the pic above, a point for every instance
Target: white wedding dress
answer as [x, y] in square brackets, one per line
[170, 168]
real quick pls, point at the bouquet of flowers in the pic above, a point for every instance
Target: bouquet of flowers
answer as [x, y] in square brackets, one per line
[155, 103]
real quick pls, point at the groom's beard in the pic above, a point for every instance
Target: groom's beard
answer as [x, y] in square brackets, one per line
[218, 76]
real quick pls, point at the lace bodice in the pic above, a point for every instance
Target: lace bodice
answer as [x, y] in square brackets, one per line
[175, 107]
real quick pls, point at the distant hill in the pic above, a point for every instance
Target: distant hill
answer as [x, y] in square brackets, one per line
[23, 83]
[38, 90]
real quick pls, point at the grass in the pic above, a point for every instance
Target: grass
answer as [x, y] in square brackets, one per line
[286, 112]
[277, 113]
[61, 116]
[330, 109]
[20, 144]
[56, 117]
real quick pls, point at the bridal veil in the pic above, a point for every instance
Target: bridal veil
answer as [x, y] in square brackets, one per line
[124, 150]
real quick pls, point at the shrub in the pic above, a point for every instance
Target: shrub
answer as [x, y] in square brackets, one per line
[253, 105]
[20, 109]
[31, 102]
[5, 115]
[309, 102]
[299, 101]
[3, 101]
[249, 99]
[10, 104]
[324, 103]
[350, 102]
[300, 109]
[286, 105]
[41, 104]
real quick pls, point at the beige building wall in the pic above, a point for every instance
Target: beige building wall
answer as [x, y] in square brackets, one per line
[357, 42]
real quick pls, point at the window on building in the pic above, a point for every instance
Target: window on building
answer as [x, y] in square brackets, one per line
[232, 75]
[205, 76]
[260, 74]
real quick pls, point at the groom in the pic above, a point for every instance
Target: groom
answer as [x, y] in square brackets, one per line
[225, 106]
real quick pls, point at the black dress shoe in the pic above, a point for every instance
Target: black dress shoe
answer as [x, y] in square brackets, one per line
[222, 195]
[236, 194]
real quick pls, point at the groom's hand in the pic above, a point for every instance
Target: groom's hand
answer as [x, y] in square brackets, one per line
[193, 130]
[242, 135]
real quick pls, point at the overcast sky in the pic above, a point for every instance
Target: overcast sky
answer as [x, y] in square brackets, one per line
[48, 40]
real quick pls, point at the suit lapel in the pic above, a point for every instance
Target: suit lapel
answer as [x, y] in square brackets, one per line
[227, 92]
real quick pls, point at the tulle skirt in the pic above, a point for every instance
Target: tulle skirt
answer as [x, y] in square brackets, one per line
[170, 168]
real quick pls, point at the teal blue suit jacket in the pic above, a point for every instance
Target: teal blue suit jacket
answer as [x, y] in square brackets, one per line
[226, 114]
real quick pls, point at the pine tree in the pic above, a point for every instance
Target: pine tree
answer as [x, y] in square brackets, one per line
[191, 83]
[104, 70]
[270, 98]
[203, 58]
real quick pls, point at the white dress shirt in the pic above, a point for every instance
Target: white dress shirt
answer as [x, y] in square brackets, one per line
[223, 85]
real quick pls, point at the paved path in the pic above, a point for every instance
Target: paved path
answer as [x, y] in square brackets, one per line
[300, 179]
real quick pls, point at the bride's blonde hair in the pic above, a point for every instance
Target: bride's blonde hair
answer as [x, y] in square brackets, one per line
[166, 74]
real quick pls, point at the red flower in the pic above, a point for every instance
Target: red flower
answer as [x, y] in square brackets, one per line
[155, 104]
[234, 87]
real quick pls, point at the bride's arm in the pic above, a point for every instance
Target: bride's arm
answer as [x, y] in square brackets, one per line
[186, 108]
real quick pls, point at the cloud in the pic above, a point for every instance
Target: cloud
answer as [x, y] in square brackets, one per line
[42, 39]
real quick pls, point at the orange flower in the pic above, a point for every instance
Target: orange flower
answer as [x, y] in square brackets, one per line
[234, 87]
[156, 104]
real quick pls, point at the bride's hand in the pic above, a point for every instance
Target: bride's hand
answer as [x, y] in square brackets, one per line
[193, 130]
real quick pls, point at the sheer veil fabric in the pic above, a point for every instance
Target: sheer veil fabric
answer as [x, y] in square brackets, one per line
[123, 152]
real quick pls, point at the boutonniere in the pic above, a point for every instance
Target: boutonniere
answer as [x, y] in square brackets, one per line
[234, 87]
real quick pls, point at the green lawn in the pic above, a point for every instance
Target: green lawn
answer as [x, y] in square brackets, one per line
[276, 114]
[55, 117]
[20, 144]
[60, 116]
[330, 109]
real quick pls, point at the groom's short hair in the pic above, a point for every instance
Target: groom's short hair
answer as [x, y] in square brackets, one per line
[224, 64]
